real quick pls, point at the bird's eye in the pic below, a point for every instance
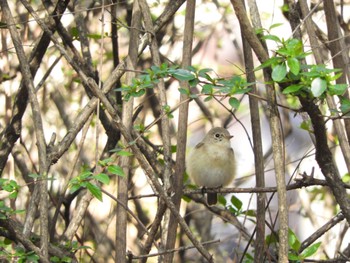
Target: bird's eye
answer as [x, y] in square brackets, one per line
[217, 135]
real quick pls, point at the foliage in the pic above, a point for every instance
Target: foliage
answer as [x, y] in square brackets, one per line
[211, 86]
[66, 60]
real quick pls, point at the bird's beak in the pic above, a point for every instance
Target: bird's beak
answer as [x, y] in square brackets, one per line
[230, 137]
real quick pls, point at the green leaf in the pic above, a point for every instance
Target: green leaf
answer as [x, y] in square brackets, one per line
[292, 88]
[272, 37]
[173, 148]
[94, 190]
[337, 89]
[203, 73]
[208, 98]
[13, 195]
[184, 91]
[207, 89]
[279, 72]
[236, 202]
[102, 177]
[309, 251]
[74, 188]
[275, 25]
[250, 212]
[346, 178]
[295, 46]
[293, 256]
[344, 105]
[222, 200]
[186, 199]
[94, 36]
[124, 153]
[267, 63]
[234, 103]
[74, 32]
[293, 65]
[106, 161]
[34, 176]
[193, 82]
[306, 125]
[293, 240]
[85, 174]
[271, 239]
[318, 87]
[138, 93]
[117, 170]
[182, 74]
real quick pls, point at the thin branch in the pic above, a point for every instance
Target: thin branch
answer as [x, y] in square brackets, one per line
[150, 172]
[38, 127]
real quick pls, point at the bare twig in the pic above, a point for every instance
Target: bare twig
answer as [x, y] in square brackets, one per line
[38, 126]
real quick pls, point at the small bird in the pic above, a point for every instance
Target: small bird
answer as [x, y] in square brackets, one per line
[212, 163]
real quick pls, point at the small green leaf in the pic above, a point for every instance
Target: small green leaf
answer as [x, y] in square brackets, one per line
[207, 89]
[203, 73]
[182, 74]
[293, 256]
[292, 88]
[184, 91]
[272, 37]
[102, 177]
[337, 89]
[318, 87]
[74, 32]
[310, 250]
[208, 98]
[94, 190]
[250, 212]
[34, 176]
[117, 170]
[269, 62]
[236, 202]
[294, 46]
[234, 103]
[344, 105]
[346, 178]
[173, 148]
[106, 161]
[293, 65]
[74, 188]
[293, 240]
[13, 195]
[279, 72]
[186, 199]
[222, 200]
[124, 153]
[275, 25]
[193, 82]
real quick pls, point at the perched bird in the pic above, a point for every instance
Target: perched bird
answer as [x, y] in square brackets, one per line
[212, 163]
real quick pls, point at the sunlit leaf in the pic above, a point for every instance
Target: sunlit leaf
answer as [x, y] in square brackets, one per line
[234, 103]
[279, 72]
[182, 74]
[275, 25]
[117, 170]
[94, 190]
[318, 87]
[102, 177]
[294, 65]
[309, 251]
[236, 202]
[272, 37]
[293, 240]
[292, 88]
[124, 153]
[337, 89]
